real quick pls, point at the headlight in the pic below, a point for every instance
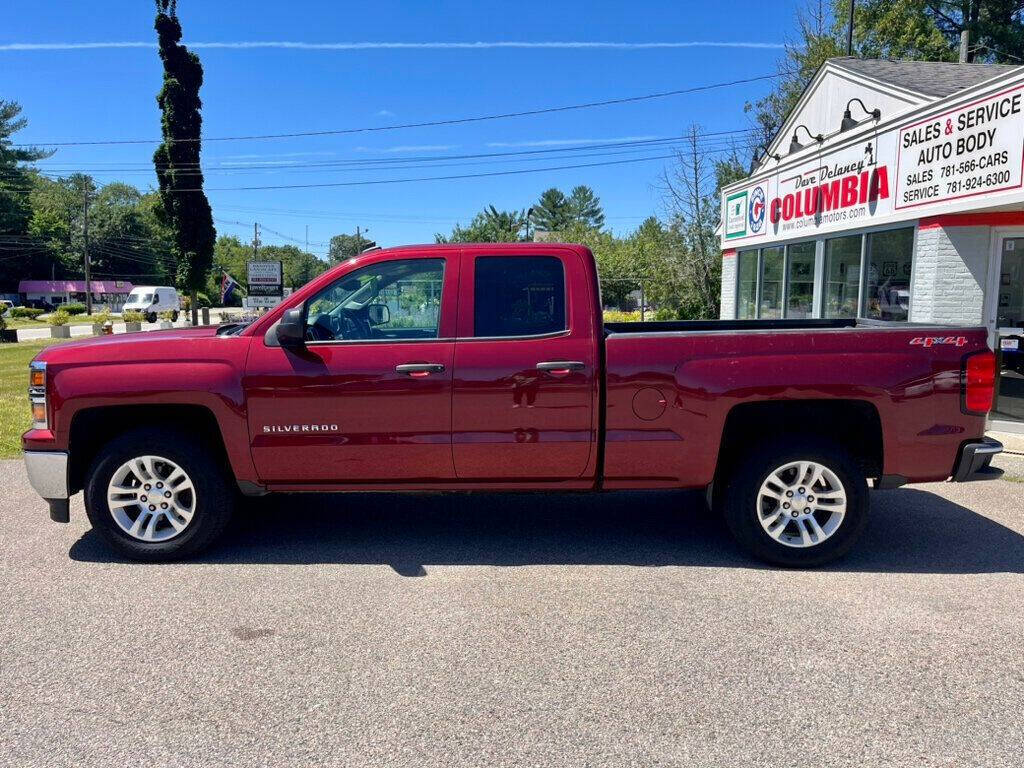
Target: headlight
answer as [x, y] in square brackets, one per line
[37, 394]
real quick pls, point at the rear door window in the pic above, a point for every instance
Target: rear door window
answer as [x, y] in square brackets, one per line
[518, 296]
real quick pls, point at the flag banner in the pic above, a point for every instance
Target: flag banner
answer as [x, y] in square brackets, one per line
[228, 285]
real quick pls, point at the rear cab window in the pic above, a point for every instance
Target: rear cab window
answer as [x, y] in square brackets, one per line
[518, 296]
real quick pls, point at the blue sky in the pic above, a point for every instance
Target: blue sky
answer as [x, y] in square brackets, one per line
[102, 93]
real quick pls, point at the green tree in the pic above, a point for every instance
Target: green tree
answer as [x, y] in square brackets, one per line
[551, 213]
[895, 29]
[18, 250]
[298, 266]
[817, 41]
[123, 241]
[585, 207]
[229, 255]
[927, 30]
[344, 247]
[489, 226]
[186, 210]
[15, 171]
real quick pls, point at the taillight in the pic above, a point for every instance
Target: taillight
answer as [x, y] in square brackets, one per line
[980, 382]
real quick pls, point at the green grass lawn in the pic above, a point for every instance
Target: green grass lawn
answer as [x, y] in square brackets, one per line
[14, 412]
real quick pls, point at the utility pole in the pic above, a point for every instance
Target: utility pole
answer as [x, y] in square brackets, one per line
[359, 242]
[965, 46]
[307, 238]
[85, 249]
[255, 240]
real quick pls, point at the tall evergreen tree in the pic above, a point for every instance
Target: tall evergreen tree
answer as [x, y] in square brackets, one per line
[20, 253]
[15, 176]
[551, 213]
[585, 207]
[185, 207]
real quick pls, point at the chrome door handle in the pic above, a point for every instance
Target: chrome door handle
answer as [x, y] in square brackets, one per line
[561, 367]
[419, 370]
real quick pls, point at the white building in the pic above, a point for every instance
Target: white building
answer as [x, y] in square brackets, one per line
[894, 191]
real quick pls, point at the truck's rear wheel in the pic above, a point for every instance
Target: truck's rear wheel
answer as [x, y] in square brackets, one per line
[797, 502]
[157, 495]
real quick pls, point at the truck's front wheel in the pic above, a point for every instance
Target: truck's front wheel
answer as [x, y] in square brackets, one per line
[797, 503]
[157, 495]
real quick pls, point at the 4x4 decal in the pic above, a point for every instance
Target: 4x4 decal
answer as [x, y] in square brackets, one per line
[931, 341]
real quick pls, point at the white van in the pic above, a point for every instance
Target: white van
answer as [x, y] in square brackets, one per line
[150, 300]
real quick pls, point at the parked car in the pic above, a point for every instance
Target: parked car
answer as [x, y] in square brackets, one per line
[39, 304]
[151, 300]
[488, 367]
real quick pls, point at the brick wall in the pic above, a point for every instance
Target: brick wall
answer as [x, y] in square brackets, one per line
[728, 300]
[950, 271]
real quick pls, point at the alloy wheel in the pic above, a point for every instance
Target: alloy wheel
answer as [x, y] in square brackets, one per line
[151, 498]
[801, 504]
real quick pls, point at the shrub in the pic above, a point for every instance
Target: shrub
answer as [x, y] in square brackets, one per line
[102, 317]
[133, 316]
[74, 308]
[3, 323]
[203, 300]
[30, 312]
[59, 317]
[618, 316]
[167, 314]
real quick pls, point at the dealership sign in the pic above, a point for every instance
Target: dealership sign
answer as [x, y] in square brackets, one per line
[919, 166]
[265, 278]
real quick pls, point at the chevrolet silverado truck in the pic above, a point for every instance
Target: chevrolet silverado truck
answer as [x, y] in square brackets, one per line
[488, 368]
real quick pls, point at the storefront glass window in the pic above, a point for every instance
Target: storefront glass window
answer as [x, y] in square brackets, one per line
[771, 284]
[746, 297]
[842, 276]
[800, 280]
[890, 262]
[1010, 322]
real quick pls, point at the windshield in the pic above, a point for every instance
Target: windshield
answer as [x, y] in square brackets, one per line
[138, 297]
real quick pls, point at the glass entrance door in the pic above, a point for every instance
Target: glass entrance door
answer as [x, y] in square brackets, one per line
[1010, 331]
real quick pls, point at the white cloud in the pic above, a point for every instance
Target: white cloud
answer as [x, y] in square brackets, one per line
[409, 148]
[568, 142]
[385, 113]
[376, 46]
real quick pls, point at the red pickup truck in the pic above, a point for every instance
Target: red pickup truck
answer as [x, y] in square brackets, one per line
[488, 367]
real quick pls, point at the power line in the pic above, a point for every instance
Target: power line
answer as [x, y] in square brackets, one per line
[709, 139]
[425, 123]
[453, 177]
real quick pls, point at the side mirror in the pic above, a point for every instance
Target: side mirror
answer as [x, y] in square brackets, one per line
[291, 328]
[378, 314]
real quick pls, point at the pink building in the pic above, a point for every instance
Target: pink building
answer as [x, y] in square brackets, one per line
[109, 293]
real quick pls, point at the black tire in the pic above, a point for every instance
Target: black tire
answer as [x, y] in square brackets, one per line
[151, 317]
[740, 501]
[174, 317]
[214, 501]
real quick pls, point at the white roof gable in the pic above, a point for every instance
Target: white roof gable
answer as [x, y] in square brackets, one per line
[821, 106]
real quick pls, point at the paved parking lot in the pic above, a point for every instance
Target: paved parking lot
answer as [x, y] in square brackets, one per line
[521, 630]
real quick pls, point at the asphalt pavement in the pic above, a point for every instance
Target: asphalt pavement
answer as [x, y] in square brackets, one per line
[527, 629]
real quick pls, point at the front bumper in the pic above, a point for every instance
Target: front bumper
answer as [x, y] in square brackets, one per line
[974, 462]
[48, 475]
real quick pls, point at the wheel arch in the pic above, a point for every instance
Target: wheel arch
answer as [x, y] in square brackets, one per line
[92, 428]
[853, 424]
